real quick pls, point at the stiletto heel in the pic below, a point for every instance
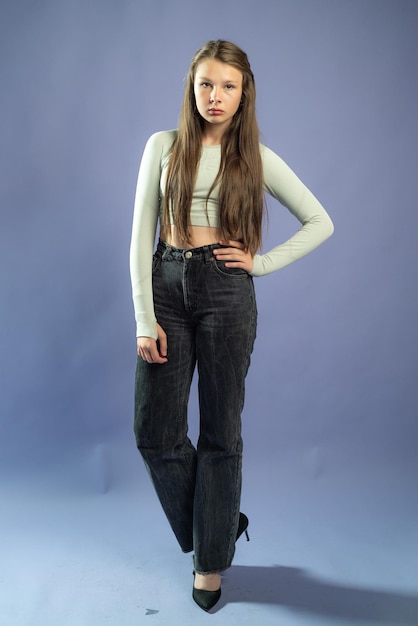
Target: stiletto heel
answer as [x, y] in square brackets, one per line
[242, 526]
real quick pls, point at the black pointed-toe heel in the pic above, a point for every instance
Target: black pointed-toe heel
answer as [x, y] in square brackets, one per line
[242, 526]
[206, 599]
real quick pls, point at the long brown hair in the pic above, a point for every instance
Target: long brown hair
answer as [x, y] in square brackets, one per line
[240, 176]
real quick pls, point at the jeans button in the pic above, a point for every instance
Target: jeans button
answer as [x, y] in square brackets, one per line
[188, 254]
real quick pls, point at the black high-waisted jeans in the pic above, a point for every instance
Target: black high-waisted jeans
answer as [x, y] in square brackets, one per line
[209, 314]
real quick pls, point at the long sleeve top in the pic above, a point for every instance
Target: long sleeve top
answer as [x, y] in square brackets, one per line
[279, 181]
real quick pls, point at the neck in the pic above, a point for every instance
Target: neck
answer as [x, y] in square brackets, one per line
[212, 135]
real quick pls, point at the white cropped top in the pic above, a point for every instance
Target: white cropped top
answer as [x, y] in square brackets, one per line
[279, 181]
[200, 214]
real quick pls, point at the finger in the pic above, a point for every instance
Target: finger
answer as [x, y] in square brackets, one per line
[162, 339]
[233, 243]
[151, 355]
[228, 253]
[245, 263]
[160, 360]
[154, 359]
[154, 356]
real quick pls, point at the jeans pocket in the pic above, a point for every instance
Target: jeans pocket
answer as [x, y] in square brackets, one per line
[229, 272]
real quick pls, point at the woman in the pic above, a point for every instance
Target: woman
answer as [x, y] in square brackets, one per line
[194, 298]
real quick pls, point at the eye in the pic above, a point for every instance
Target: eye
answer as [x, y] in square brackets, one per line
[205, 84]
[229, 87]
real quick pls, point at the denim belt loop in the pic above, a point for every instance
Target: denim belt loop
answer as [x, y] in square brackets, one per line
[165, 253]
[208, 252]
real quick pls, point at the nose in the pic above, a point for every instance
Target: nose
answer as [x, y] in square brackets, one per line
[214, 95]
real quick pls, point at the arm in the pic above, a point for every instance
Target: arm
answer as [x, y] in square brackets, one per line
[283, 184]
[143, 235]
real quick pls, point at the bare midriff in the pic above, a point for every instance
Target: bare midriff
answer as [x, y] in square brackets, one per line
[199, 236]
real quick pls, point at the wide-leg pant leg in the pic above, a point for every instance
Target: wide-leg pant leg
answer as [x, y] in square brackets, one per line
[161, 398]
[224, 343]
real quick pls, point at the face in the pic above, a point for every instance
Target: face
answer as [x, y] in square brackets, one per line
[218, 92]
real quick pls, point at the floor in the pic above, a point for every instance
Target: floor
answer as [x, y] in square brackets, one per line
[87, 545]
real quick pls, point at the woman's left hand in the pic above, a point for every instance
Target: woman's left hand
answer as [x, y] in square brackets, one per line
[236, 255]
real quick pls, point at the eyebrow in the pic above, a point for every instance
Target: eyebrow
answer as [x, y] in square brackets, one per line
[210, 80]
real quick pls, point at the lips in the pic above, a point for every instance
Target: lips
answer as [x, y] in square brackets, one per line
[215, 111]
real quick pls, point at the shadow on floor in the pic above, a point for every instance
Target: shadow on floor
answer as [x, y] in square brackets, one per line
[295, 588]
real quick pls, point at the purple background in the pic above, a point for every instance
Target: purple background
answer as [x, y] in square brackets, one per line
[330, 423]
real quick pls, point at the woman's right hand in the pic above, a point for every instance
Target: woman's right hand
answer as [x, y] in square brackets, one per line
[147, 347]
